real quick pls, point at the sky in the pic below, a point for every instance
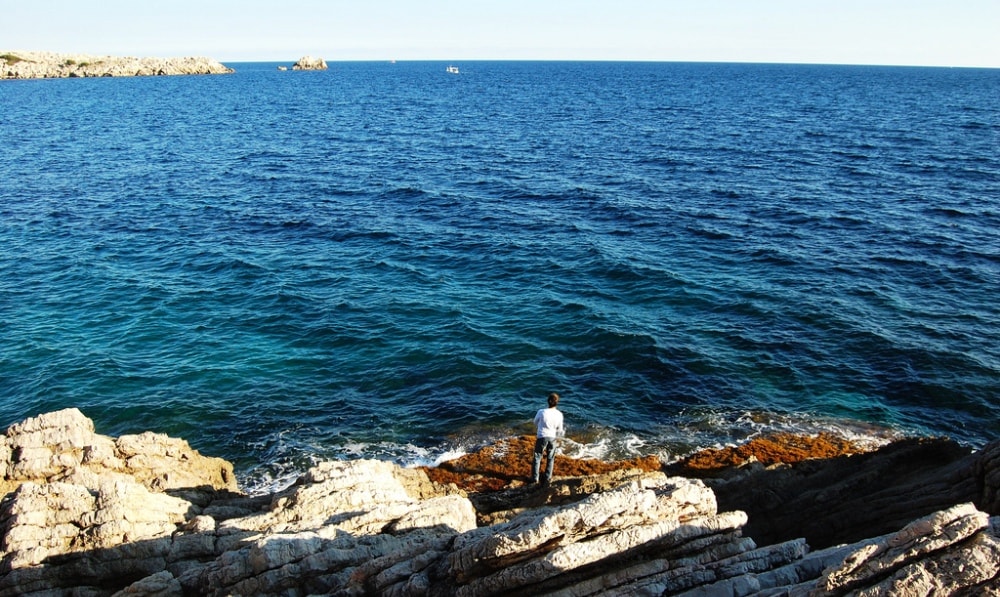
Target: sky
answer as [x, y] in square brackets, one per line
[890, 32]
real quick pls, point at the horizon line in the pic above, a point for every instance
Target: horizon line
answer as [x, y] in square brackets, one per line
[616, 60]
[523, 59]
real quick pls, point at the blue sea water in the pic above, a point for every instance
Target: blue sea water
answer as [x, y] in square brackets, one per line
[391, 261]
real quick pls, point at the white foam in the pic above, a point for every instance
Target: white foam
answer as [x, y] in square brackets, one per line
[442, 458]
[690, 433]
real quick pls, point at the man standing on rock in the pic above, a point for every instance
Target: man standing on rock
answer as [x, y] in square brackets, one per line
[549, 423]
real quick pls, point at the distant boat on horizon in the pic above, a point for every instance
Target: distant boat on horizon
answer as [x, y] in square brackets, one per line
[453, 70]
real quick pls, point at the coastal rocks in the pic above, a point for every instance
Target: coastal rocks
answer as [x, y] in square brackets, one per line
[586, 544]
[310, 63]
[101, 507]
[93, 515]
[508, 462]
[955, 551]
[952, 552]
[47, 65]
[988, 471]
[62, 446]
[342, 524]
[71, 523]
[367, 495]
[846, 499]
[780, 448]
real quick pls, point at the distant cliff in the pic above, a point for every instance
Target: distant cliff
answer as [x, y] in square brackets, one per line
[48, 65]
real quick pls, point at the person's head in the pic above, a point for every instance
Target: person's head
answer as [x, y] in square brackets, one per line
[553, 400]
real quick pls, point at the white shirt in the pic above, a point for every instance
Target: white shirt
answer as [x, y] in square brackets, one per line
[550, 423]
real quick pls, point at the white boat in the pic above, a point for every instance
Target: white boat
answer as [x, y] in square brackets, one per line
[453, 70]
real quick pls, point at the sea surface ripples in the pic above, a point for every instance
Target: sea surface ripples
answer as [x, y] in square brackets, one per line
[390, 261]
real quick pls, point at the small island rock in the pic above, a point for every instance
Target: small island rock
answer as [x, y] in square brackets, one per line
[310, 63]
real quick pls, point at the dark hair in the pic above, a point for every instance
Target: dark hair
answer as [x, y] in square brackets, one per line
[553, 399]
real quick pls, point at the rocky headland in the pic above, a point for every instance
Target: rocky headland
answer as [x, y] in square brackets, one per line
[88, 514]
[48, 65]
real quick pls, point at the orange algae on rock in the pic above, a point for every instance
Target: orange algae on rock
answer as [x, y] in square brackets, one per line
[499, 465]
[780, 448]
[508, 461]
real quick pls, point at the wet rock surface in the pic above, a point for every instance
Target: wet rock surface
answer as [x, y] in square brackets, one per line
[86, 514]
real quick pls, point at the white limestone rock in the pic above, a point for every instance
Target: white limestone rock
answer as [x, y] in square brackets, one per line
[359, 497]
[310, 63]
[48, 65]
[934, 552]
[161, 584]
[62, 446]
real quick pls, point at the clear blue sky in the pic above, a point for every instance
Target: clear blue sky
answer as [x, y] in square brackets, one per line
[914, 32]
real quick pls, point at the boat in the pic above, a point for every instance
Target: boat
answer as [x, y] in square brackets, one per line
[453, 70]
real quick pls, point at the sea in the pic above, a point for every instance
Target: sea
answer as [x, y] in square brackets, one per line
[389, 260]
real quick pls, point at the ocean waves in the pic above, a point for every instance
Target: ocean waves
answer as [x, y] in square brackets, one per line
[385, 262]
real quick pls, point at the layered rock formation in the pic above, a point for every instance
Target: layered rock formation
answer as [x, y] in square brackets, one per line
[87, 514]
[48, 65]
[310, 63]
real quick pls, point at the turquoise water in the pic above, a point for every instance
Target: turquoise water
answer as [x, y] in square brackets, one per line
[391, 261]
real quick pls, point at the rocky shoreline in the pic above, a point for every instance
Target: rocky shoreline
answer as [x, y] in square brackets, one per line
[87, 514]
[49, 65]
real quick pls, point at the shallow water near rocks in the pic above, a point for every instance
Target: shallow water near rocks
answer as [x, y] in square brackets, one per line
[391, 261]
